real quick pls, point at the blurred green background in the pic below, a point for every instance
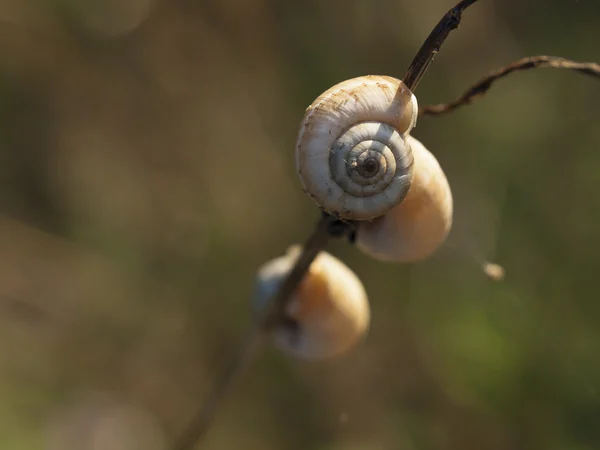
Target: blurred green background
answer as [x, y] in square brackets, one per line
[147, 170]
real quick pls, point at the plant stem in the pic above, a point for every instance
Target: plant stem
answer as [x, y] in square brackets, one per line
[327, 227]
[478, 89]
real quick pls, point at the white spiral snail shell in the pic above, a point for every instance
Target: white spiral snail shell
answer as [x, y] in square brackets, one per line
[356, 160]
[326, 315]
[351, 152]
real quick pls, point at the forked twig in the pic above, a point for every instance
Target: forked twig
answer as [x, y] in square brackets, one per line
[327, 227]
[532, 62]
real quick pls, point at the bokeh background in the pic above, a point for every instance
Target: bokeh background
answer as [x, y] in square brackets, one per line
[147, 170]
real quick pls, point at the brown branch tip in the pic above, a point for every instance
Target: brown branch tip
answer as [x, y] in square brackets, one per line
[433, 43]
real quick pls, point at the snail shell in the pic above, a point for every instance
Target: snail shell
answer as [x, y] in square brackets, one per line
[326, 315]
[351, 152]
[415, 228]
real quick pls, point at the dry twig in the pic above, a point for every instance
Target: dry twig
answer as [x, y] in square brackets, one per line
[199, 425]
[433, 43]
[327, 227]
[532, 62]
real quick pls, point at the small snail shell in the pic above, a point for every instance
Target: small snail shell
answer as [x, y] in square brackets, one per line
[495, 272]
[351, 152]
[327, 314]
[415, 228]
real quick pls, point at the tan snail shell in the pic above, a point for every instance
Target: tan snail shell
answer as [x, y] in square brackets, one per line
[351, 153]
[416, 227]
[357, 161]
[327, 314]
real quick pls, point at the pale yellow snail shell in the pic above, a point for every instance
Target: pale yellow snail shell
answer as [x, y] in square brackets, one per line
[356, 160]
[328, 313]
[419, 224]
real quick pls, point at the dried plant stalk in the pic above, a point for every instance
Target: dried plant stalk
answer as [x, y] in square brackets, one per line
[433, 43]
[531, 62]
[329, 226]
[326, 228]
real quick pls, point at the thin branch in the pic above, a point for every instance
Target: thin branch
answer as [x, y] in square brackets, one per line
[432, 44]
[531, 62]
[326, 228]
[201, 422]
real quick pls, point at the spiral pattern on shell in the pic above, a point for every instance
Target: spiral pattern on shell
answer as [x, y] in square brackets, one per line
[351, 153]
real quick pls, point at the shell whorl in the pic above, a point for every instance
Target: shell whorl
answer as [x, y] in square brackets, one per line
[351, 152]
